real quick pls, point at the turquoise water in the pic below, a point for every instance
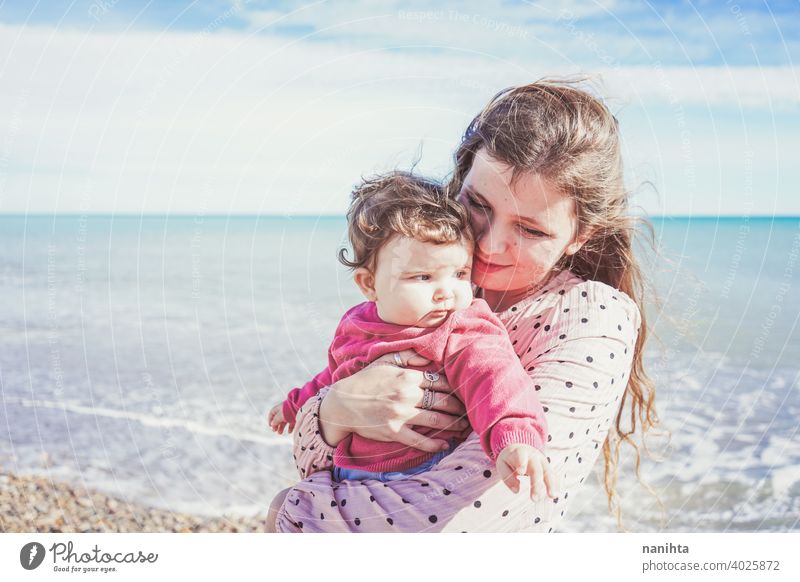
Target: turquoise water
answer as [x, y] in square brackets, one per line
[140, 357]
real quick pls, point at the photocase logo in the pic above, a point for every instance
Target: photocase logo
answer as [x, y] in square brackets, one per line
[31, 555]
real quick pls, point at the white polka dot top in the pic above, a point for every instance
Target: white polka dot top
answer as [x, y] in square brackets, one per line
[576, 339]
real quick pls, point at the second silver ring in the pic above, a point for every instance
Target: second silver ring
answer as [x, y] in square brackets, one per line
[427, 399]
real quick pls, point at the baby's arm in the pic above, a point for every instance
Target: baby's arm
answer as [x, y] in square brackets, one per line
[517, 460]
[482, 367]
[481, 364]
[299, 396]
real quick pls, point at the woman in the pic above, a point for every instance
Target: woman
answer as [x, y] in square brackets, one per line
[540, 171]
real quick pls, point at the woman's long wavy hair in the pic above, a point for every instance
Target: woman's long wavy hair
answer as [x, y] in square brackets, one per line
[568, 137]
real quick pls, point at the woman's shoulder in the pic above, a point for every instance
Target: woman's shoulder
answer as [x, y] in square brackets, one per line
[597, 296]
[570, 297]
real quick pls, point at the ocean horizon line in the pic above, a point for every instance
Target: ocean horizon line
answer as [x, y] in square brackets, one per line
[215, 216]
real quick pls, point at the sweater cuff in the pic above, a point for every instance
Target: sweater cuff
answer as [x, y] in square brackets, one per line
[310, 421]
[311, 452]
[501, 439]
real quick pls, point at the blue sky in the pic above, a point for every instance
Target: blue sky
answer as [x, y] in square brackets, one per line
[280, 107]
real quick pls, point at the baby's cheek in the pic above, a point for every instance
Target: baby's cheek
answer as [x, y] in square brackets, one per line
[465, 297]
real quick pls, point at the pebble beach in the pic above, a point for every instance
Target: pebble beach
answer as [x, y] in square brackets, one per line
[37, 504]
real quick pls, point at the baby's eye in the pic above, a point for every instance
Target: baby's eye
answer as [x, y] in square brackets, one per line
[421, 277]
[461, 274]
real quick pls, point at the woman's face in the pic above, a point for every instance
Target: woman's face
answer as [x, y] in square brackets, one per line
[522, 228]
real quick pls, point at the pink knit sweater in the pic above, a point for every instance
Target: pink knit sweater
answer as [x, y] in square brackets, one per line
[473, 350]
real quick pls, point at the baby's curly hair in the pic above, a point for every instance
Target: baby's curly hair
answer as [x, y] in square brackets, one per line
[400, 203]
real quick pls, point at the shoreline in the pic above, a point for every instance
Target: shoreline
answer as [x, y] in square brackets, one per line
[37, 504]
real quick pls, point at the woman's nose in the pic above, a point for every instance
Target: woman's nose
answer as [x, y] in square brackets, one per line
[490, 242]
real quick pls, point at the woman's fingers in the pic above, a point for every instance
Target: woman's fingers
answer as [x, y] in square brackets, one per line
[435, 381]
[414, 439]
[438, 419]
[408, 358]
[450, 404]
[444, 402]
[412, 358]
[444, 399]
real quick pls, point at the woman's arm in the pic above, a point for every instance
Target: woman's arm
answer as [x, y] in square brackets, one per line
[461, 493]
[332, 431]
[580, 398]
[311, 452]
[382, 403]
[379, 402]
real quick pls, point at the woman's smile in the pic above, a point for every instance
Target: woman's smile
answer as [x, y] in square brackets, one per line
[486, 267]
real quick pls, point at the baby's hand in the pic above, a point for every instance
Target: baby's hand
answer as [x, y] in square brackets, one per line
[520, 459]
[276, 420]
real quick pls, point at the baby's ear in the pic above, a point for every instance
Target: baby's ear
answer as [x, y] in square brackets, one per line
[366, 282]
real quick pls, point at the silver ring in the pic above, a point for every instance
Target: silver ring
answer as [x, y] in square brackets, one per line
[398, 360]
[427, 399]
[431, 377]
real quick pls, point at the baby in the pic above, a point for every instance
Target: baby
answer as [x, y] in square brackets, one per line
[412, 249]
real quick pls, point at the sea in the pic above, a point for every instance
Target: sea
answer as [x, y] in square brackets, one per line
[140, 355]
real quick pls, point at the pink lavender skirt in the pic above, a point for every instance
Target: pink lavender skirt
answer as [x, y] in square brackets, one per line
[459, 493]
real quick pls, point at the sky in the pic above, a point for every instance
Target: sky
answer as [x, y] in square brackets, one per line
[235, 107]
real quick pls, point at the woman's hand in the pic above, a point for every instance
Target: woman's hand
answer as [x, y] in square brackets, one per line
[383, 402]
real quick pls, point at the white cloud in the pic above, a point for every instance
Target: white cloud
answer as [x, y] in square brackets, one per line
[238, 122]
[776, 87]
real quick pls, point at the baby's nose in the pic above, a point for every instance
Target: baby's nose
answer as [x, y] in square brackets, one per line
[442, 294]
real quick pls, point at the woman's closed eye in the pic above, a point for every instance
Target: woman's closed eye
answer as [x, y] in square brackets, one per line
[527, 232]
[473, 202]
[531, 232]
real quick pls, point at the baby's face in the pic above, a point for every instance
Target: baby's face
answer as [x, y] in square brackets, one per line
[420, 284]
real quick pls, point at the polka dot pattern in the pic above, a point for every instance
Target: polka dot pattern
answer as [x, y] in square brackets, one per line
[571, 379]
